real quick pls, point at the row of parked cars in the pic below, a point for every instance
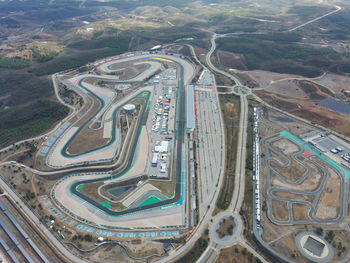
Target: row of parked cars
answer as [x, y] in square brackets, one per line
[161, 117]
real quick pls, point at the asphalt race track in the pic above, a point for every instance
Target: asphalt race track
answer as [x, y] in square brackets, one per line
[179, 167]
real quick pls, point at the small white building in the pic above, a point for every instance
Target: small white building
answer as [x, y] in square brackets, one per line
[162, 148]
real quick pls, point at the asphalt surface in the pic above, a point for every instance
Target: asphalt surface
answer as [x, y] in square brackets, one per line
[213, 250]
[316, 194]
[179, 137]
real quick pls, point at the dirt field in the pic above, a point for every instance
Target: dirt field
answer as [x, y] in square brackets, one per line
[287, 123]
[236, 254]
[335, 82]
[265, 77]
[131, 71]
[230, 110]
[107, 254]
[230, 106]
[292, 172]
[328, 206]
[269, 234]
[341, 243]
[166, 187]
[86, 140]
[280, 210]
[286, 247]
[146, 248]
[310, 184]
[308, 111]
[286, 146]
[300, 212]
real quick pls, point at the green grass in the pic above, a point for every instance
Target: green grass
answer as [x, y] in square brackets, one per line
[106, 204]
[150, 200]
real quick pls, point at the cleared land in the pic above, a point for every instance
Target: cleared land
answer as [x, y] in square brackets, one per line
[230, 106]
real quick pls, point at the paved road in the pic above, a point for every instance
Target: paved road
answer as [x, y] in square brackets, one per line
[185, 78]
[205, 220]
[308, 171]
[215, 245]
[338, 8]
[180, 135]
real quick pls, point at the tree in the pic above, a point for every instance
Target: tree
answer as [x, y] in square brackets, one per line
[319, 231]
[88, 237]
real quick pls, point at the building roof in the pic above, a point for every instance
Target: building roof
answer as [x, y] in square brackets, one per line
[314, 246]
[190, 109]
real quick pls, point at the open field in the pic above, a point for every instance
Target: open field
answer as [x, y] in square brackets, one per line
[280, 210]
[300, 212]
[236, 254]
[230, 106]
[309, 111]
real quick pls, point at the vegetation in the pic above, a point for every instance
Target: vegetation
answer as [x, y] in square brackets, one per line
[311, 90]
[230, 105]
[22, 114]
[21, 87]
[237, 254]
[226, 227]
[120, 43]
[47, 56]
[194, 254]
[168, 35]
[278, 53]
[308, 11]
[13, 63]
[73, 61]
[31, 120]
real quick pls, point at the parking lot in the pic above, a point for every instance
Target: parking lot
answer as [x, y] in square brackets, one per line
[209, 144]
[335, 148]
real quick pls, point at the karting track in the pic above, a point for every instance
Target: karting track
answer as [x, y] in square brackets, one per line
[179, 164]
[316, 193]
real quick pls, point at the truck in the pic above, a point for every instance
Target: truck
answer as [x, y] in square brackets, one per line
[154, 160]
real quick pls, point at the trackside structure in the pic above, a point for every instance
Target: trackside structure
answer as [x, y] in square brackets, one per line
[190, 110]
